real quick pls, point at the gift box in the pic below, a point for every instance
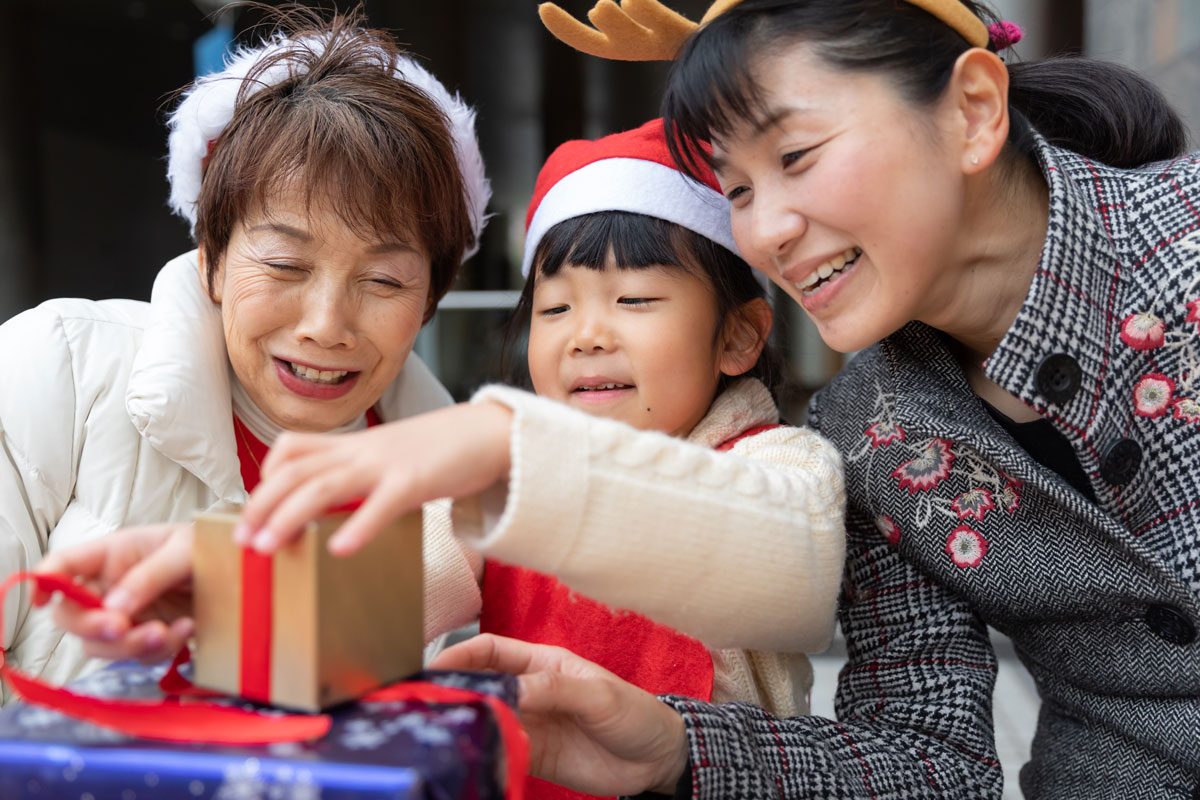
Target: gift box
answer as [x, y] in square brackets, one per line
[388, 749]
[304, 629]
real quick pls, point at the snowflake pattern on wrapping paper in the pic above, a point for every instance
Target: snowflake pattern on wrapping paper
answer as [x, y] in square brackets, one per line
[884, 433]
[890, 530]
[973, 504]
[966, 547]
[928, 469]
[1144, 331]
[1152, 395]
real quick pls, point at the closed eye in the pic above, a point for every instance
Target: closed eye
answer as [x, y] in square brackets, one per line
[736, 192]
[638, 301]
[791, 158]
[553, 311]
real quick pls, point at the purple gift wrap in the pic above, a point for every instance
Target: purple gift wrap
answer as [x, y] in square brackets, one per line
[396, 750]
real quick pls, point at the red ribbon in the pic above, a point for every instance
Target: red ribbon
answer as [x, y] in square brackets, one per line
[185, 717]
[255, 676]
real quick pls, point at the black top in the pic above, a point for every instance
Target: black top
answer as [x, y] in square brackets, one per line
[1046, 445]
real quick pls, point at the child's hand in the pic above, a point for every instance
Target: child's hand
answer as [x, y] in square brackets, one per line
[144, 575]
[452, 452]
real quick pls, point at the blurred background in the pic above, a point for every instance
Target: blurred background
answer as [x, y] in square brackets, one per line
[85, 85]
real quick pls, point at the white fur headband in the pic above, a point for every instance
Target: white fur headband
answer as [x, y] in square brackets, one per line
[208, 106]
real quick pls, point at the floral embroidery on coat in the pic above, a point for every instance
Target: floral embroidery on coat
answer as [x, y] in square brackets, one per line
[966, 547]
[1173, 388]
[1152, 395]
[927, 465]
[890, 530]
[973, 504]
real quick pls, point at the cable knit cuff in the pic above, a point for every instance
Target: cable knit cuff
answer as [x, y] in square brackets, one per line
[549, 459]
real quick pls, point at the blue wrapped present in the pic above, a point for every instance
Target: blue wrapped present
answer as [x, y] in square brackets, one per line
[406, 750]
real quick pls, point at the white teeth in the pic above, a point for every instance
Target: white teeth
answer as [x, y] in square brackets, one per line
[826, 270]
[317, 376]
[602, 387]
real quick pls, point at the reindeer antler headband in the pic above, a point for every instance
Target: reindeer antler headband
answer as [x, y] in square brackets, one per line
[646, 30]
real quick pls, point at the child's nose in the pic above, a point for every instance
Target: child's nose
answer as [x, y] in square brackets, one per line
[592, 336]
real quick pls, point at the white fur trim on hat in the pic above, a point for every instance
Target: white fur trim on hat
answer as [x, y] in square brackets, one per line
[635, 185]
[208, 106]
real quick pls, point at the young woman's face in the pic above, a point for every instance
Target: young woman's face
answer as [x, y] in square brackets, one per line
[635, 345]
[318, 321]
[845, 199]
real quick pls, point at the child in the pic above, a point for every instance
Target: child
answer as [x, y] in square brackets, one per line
[637, 316]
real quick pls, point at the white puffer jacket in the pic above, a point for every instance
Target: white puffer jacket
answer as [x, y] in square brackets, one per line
[118, 413]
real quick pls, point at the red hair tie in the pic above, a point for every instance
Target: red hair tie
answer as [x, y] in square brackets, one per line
[1004, 34]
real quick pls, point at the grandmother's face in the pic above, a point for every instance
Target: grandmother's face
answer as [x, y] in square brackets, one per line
[318, 321]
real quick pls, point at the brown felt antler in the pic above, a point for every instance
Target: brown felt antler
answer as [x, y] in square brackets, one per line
[635, 30]
[646, 30]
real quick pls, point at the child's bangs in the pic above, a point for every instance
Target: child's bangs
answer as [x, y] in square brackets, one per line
[633, 241]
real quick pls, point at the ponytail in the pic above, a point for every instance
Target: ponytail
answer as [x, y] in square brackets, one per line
[1098, 109]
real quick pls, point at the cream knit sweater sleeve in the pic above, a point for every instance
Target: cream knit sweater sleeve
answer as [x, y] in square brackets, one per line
[741, 549]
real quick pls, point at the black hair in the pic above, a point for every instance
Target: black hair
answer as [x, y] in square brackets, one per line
[1100, 110]
[637, 241]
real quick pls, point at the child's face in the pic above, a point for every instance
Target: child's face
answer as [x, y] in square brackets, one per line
[635, 345]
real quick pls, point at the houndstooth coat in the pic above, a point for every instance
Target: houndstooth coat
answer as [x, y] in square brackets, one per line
[953, 527]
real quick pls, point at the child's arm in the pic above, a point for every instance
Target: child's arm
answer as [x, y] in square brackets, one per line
[452, 574]
[738, 551]
[741, 549]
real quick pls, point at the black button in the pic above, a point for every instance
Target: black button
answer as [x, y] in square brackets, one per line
[1169, 624]
[1121, 461]
[1058, 378]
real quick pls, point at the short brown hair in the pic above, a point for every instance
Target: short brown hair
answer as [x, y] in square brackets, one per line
[377, 148]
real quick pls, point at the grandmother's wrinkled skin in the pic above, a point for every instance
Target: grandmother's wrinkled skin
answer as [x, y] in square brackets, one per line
[317, 320]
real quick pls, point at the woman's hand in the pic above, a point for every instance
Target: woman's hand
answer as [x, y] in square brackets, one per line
[144, 575]
[452, 452]
[588, 729]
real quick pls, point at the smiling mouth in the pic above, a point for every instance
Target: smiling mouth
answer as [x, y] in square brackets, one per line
[829, 271]
[320, 377]
[602, 387]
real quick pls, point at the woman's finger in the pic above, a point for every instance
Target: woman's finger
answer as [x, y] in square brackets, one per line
[93, 624]
[167, 642]
[501, 654]
[84, 560]
[163, 569]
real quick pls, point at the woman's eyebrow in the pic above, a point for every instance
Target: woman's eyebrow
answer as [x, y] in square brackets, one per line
[760, 124]
[286, 230]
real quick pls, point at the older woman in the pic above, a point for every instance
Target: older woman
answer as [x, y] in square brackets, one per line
[333, 187]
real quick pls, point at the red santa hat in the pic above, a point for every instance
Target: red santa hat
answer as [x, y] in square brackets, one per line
[630, 171]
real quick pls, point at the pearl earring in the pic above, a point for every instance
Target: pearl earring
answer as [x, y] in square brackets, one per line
[974, 160]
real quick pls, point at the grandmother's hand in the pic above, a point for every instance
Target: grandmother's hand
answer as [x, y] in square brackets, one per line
[588, 729]
[144, 575]
[452, 452]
